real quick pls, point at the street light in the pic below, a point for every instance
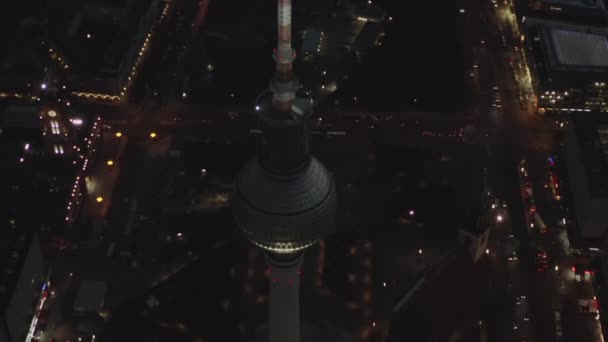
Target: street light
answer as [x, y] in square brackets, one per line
[99, 199]
[118, 134]
[110, 162]
[153, 135]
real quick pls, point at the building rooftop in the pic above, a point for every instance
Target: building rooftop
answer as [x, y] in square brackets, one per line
[93, 36]
[310, 40]
[21, 116]
[417, 318]
[14, 249]
[369, 12]
[591, 4]
[368, 36]
[90, 296]
[578, 48]
[10, 151]
[592, 132]
[568, 55]
[584, 12]
[22, 63]
[476, 220]
[88, 43]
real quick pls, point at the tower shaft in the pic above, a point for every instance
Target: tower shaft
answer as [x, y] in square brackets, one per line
[284, 298]
[285, 198]
[284, 85]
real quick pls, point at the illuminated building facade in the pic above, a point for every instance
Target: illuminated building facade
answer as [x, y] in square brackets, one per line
[45, 156]
[55, 130]
[99, 47]
[569, 66]
[587, 165]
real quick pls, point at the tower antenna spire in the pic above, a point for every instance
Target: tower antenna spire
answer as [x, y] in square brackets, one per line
[285, 199]
[284, 84]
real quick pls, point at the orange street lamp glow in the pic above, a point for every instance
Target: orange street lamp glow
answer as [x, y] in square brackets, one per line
[153, 135]
[118, 134]
[99, 199]
[110, 162]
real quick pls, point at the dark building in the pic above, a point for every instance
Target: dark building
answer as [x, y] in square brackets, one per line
[22, 278]
[587, 165]
[368, 12]
[569, 65]
[588, 12]
[443, 305]
[23, 64]
[99, 44]
[42, 166]
[368, 36]
[475, 231]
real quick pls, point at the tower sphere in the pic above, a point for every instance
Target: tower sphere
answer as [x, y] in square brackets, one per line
[285, 214]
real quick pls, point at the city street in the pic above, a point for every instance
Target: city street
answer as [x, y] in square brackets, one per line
[543, 291]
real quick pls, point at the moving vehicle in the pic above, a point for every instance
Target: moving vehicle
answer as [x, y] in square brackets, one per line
[581, 272]
[542, 261]
[558, 326]
[540, 224]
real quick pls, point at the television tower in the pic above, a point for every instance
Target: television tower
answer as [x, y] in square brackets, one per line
[285, 199]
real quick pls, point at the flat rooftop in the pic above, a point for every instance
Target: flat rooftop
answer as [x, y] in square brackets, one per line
[14, 248]
[419, 317]
[568, 54]
[22, 62]
[578, 48]
[21, 116]
[96, 37]
[90, 296]
[592, 133]
[368, 36]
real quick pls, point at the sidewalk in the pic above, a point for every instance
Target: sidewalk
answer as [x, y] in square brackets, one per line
[102, 176]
